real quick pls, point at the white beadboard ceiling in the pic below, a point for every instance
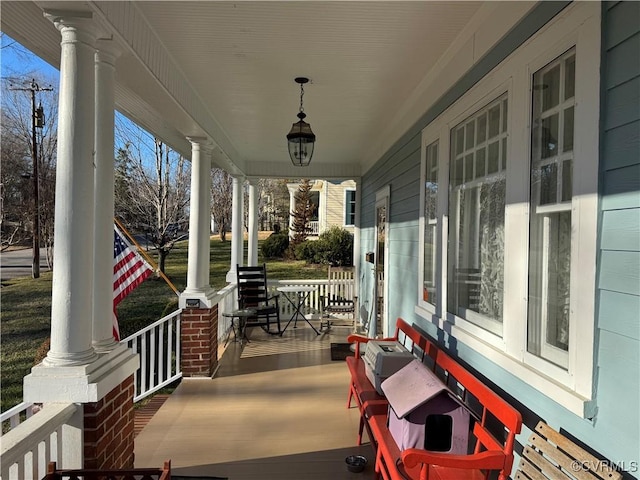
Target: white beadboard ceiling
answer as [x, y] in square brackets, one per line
[238, 61]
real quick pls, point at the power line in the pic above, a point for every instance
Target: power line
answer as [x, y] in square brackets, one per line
[37, 121]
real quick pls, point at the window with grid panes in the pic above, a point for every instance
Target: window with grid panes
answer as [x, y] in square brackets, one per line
[553, 102]
[477, 183]
[515, 259]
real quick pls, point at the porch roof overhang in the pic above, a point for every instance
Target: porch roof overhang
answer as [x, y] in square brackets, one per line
[225, 70]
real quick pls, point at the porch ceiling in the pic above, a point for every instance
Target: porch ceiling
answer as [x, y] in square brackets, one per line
[226, 70]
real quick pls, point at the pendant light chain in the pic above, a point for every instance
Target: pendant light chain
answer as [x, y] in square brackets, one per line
[301, 96]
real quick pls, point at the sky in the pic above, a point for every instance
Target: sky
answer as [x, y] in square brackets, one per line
[19, 66]
[18, 62]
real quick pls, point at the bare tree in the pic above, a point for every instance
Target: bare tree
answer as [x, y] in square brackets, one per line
[154, 181]
[221, 201]
[17, 204]
[273, 204]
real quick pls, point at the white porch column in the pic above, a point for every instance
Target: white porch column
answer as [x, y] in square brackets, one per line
[357, 254]
[252, 255]
[72, 291]
[105, 58]
[237, 233]
[72, 370]
[198, 287]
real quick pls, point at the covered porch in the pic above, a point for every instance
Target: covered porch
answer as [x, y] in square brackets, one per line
[215, 81]
[279, 414]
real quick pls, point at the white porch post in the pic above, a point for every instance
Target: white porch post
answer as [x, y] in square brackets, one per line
[72, 370]
[252, 255]
[72, 291]
[357, 254]
[105, 59]
[237, 234]
[199, 232]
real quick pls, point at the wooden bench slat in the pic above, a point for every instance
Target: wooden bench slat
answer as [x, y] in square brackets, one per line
[526, 471]
[547, 467]
[565, 462]
[558, 458]
[577, 453]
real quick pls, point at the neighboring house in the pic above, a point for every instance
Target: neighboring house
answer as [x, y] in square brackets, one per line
[335, 205]
[507, 219]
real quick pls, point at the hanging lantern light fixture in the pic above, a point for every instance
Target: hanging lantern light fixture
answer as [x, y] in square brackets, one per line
[301, 139]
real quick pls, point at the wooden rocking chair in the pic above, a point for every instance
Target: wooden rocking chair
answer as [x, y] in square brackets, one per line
[253, 293]
[340, 299]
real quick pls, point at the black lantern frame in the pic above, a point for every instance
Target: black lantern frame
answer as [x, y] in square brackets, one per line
[301, 140]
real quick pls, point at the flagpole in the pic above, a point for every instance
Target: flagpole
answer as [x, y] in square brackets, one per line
[146, 256]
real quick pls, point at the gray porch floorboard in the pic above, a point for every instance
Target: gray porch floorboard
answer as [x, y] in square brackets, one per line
[279, 416]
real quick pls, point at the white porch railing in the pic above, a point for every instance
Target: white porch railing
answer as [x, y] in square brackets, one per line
[159, 348]
[314, 228]
[14, 416]
[312, 305]
[29, 446]
[227, 302]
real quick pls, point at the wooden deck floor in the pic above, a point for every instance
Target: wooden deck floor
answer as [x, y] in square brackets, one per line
[273, 416]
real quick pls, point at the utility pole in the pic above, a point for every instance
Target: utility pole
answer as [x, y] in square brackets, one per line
[37, 121]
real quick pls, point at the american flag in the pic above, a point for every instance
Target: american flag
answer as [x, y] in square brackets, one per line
[129, 271]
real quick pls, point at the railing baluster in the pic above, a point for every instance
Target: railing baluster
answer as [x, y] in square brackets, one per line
[162, 371]
[178, 347]
[46, 452]
[143, 362]
[153, 370]
[169, 348]
[29, 464]
[56, 444]
[133, 344]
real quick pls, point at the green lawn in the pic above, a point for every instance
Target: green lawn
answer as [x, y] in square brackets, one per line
[26, 308]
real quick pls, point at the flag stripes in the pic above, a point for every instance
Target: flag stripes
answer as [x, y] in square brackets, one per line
[129, 271]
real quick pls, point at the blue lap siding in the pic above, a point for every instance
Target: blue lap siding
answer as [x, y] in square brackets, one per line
[614, 432]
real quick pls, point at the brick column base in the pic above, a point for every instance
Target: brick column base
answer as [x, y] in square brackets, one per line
[199, 338]
[108, 429]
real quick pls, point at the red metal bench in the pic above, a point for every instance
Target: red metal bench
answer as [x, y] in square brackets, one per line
[360, 388]
[495, 424]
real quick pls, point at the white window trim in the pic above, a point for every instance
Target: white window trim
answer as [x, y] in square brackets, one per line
[383, 199]
[578, 25]
[429, 137]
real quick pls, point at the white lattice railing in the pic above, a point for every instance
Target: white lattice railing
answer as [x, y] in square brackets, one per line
[159, 348]
[27, 448]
